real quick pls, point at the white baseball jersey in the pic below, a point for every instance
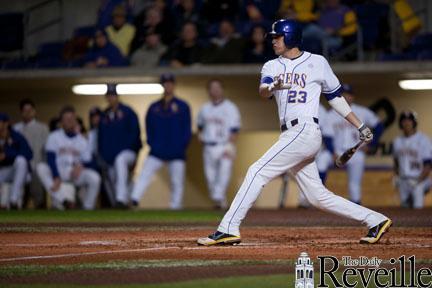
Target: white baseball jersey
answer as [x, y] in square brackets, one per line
[345, 134]
[411, 152]
[308, 75]
[69, 151]
[218, 121]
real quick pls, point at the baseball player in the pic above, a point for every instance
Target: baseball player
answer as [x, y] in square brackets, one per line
[412, 154]
[168, 125]
[296, 79]
[69, 159]
[119, 142]
[345, 136]
[15, 155]
[218, 126]
[36, 134]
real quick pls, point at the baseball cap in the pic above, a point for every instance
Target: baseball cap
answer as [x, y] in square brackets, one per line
[167, 77]
[347, 88]
[95, 111]
[4, 117]
[111, 89]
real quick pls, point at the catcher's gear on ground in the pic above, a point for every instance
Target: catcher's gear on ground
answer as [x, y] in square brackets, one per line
[375, 233]
[219, 238]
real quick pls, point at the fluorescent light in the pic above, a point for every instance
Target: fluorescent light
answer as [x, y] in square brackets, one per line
[139, 89]
[90, 89]
[122, 89]
[416, 84]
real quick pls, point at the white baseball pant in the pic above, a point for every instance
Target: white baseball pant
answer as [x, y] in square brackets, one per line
[16, 175]
[295, 151]
[119, 174]
[88, 178]
[217, 169]
[410, 186]
[177, 173]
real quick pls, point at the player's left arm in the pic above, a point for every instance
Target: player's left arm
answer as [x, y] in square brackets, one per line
[426, 154]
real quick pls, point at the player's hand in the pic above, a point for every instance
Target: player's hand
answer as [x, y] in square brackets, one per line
[56, 184]
[76, 171]
[365, 133]
[276, 84]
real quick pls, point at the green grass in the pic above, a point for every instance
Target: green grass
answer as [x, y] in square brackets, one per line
[109, 216]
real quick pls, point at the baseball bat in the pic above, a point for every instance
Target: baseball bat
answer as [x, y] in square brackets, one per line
[342, 159]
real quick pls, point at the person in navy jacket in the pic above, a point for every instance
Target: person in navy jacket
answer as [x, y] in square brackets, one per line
[119, 142]
[168, 125]
[15, 155]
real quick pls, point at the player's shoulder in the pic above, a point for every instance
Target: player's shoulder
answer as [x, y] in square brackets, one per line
[230, 104]
[422, 136]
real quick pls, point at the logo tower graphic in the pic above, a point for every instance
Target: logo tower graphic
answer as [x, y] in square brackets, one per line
[304, 272]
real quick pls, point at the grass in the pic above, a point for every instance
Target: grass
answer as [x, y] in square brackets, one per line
[110, 216]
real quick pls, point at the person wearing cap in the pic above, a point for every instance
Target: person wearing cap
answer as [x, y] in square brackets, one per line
[120, 33]
[168, 126]
[15, 157]
[119, 141]
[345, 137]
[95, 114]
[412, 156]
[36, 134]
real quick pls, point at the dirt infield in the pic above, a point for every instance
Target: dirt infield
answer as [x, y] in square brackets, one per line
[267, 235]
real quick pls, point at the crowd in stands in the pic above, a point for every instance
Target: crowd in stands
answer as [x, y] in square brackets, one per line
[187, 32]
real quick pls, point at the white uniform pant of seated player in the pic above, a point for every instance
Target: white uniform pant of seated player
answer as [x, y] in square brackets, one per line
[217, 168]
[412, 187]
[119, 174]
[16, 175]
[295, 151]
[150, 167]
[88, 178]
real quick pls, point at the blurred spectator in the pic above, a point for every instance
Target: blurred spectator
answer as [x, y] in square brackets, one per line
[257, 49]
[186, 11]
[187, 50]
[103, 53]
[152, 21]
[411, 23]
[336, 23]
[69, 159]
[95, 115]
[119, 142]
[121, 33]
[15, 155]
[227, 47]
[54, 124]
[303, 11]
[150, 53]
[36, 134]
[214, 11]
[260, 11]
[106, 10]
[168, 124]
[80, 127]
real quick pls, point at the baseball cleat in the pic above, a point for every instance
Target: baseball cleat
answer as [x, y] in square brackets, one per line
[219, 238]
[375, 233]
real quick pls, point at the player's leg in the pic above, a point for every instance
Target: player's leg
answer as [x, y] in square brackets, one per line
[318, 195]
[177, 175]
[150, 167]
[324, 160]
[6, 176]
[292, 147]
[404, 188]
[210, 168]
[355, 168]
[223, 179]
[91, 180]
[418, 194]
[44, 173]
[122, 163]
[20, 168]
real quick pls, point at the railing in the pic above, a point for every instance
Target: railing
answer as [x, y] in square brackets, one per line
[56, 20]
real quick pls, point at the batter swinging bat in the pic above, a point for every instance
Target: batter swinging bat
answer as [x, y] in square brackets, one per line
[341, 160]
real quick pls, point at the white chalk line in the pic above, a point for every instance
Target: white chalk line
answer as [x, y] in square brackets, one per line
[86, 254]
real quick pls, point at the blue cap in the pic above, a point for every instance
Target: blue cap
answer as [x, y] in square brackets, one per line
[347, 88]
[111, 89]
[4, 117]
[167, 77]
